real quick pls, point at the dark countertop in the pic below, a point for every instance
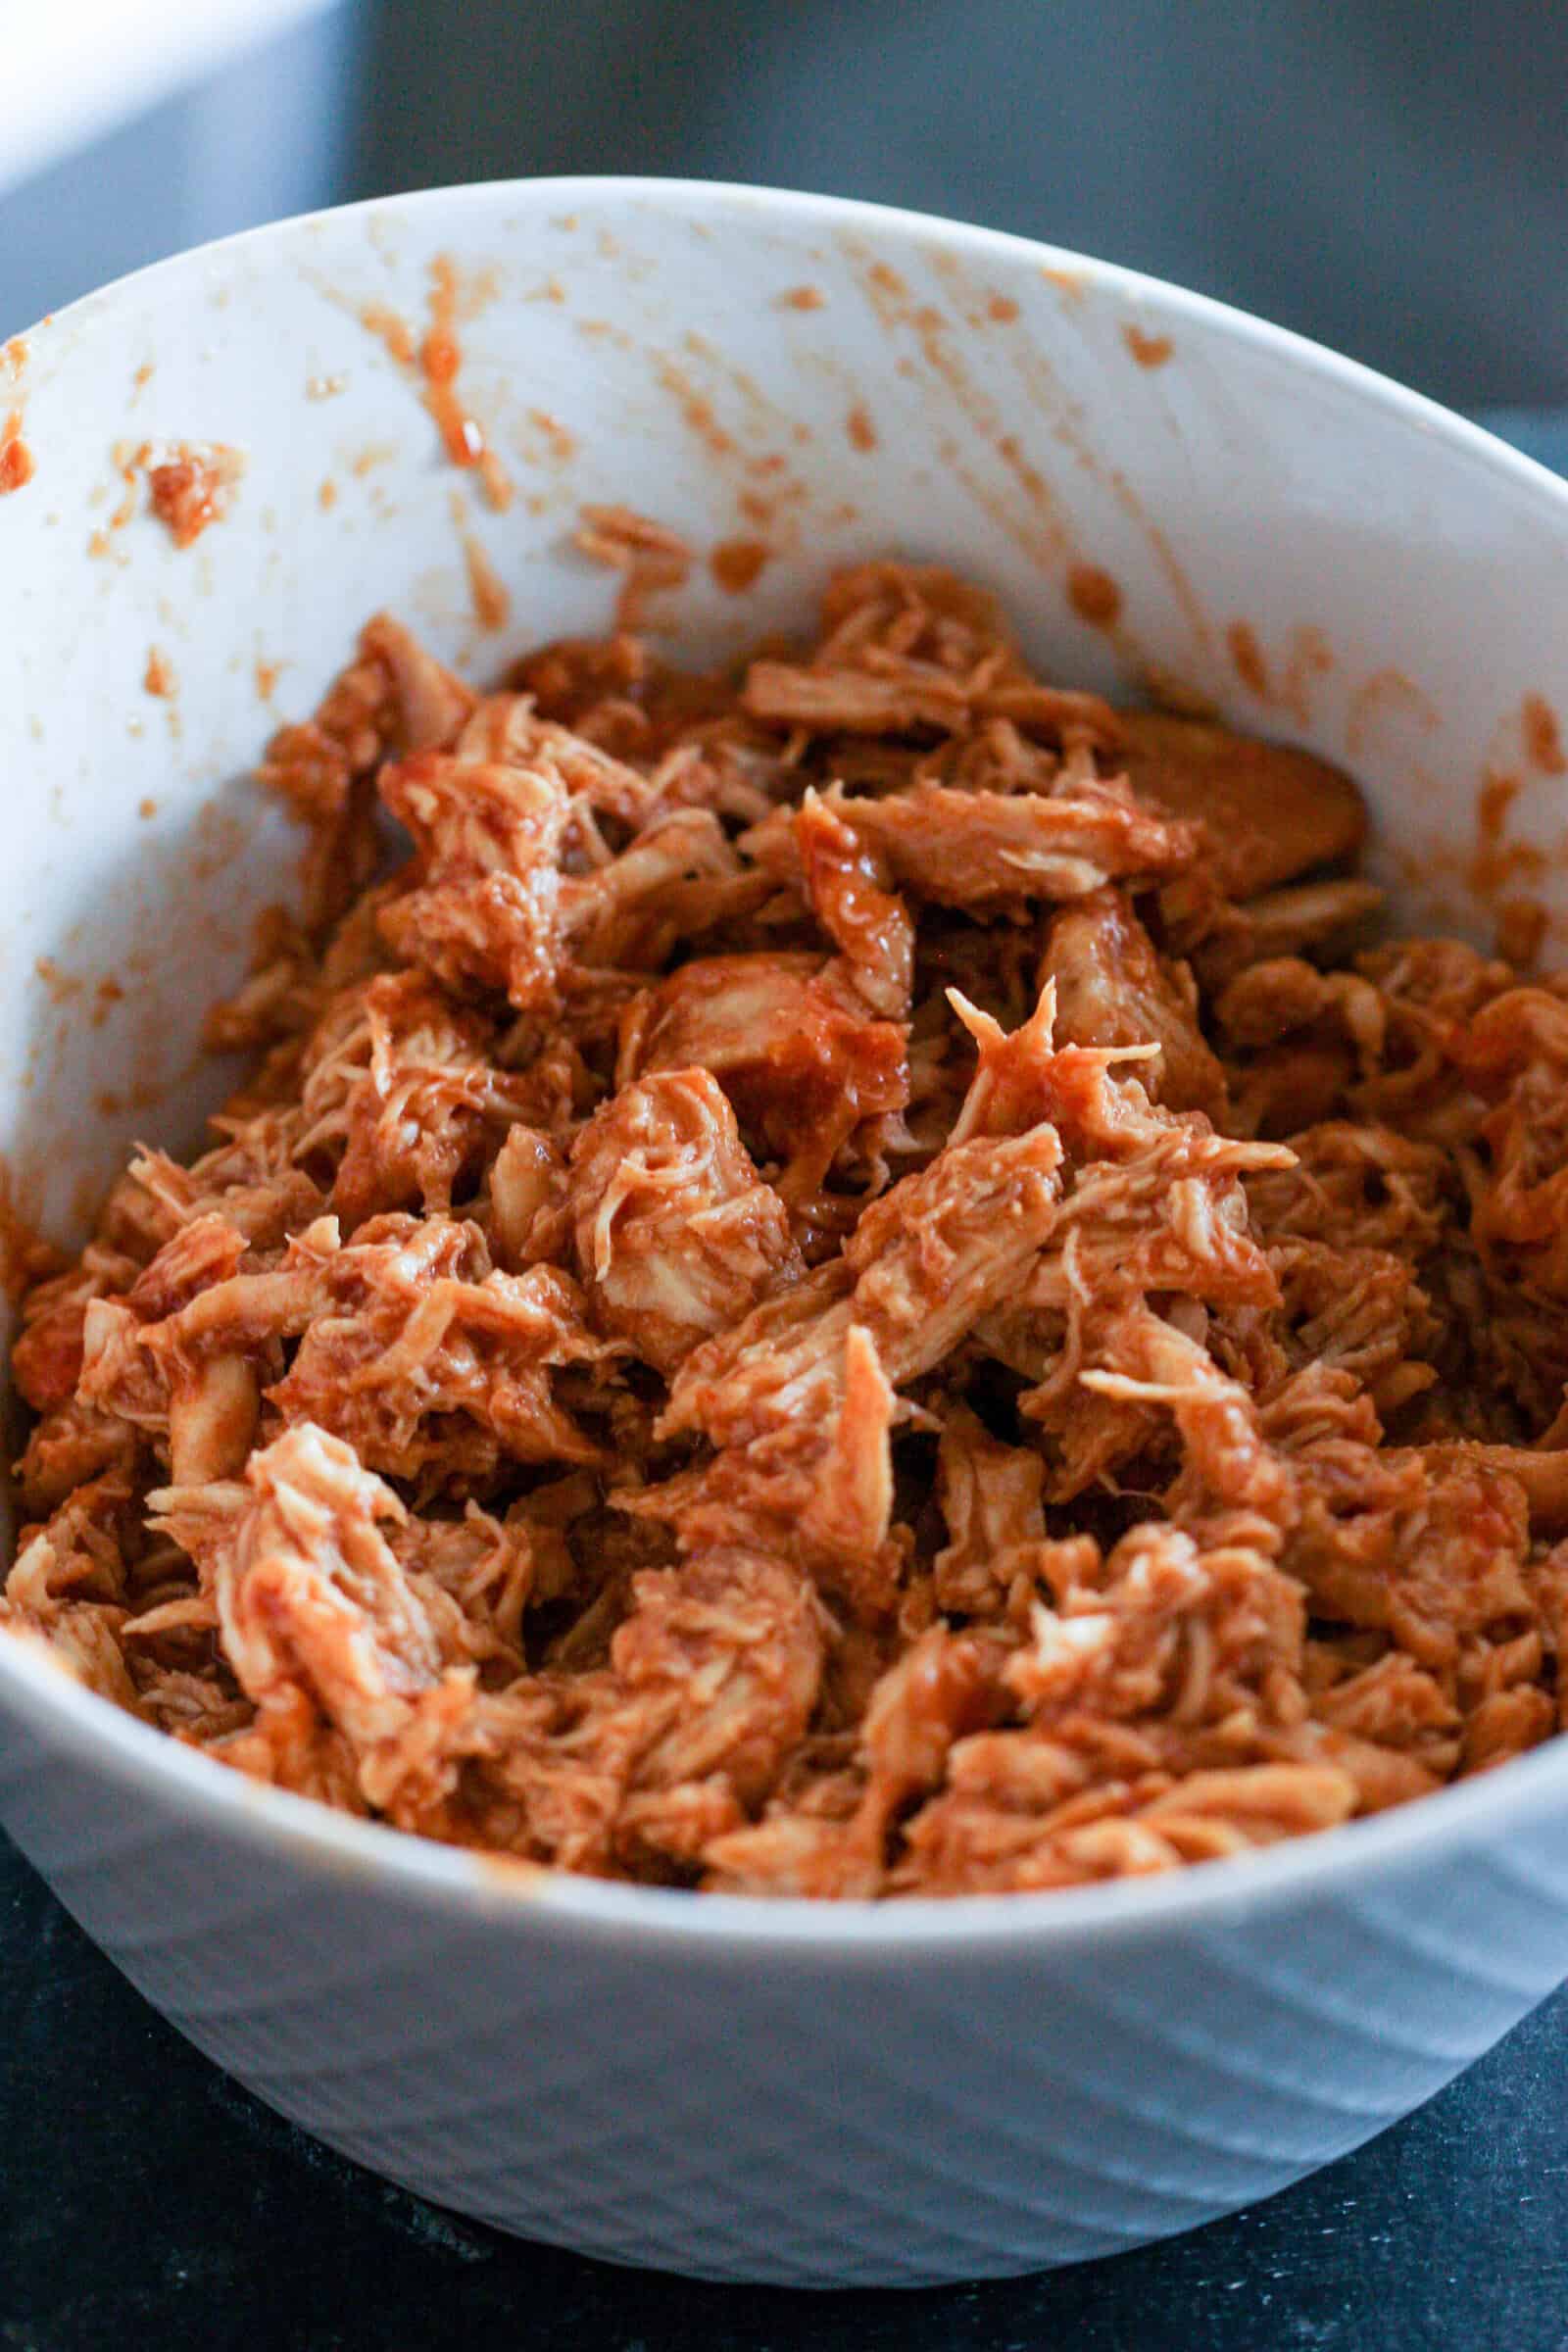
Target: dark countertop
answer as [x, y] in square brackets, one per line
[145, 2199]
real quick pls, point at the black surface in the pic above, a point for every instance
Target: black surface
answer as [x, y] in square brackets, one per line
[145, 2200]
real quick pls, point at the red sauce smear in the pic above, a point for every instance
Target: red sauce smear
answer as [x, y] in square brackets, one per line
[861, 431]
[1003, 309]
[736, 563]
[159, 677]
[804, 298]
[26, 1257]
[1544, 736]
[1149, 351]
[697, 410]
[191, 489]
[17, 468]
[440, 362]
[1094, 595]
[1247, 656]
[487, 592]
[563, 444]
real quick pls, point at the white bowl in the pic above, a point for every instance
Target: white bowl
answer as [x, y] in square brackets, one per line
[738, 2089]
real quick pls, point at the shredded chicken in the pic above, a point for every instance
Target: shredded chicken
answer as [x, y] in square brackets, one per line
[850, 1281]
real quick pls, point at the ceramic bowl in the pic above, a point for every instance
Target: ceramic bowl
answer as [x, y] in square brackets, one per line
[733, 2089]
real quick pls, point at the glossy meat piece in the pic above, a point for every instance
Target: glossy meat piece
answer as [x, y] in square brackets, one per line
[435, 1367]
[1112, 989]
[847, 883]
[926, 1261]
[484, 912]
[676, 1236]
[393, 698]
[1270, 813]
[399, 1098]
[993, 852]
[676, 880]
[802, 1066]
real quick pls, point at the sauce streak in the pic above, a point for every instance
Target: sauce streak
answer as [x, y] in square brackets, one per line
[861, 431]
[17, 468]
[492, 606]
[1544, 736]
[1094, 595]
[440, 360]
[736, 563]
[563, 444]
[26, 1257]
[1247, 656]
[1149, 351]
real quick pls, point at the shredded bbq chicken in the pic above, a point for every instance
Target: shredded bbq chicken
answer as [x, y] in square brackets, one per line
[847, 1279]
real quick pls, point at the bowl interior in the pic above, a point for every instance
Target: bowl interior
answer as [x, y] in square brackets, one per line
[788, 383]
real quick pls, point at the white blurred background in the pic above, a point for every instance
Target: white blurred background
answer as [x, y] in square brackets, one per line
[1386, 175]
[130, 128]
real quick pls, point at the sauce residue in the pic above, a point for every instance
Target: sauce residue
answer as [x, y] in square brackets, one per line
[1384, 695]
[147, 811]
[1070, 282]
[105, 996]
[697, 410]
[1493, 801]
[883, 276]
[437, 358]
[736, 563]
[26, 1257]
[1094, 595]
[391, 330]
[563, 444]
[1542, 736]
[324, 387]
[1149, 351]
[128, 459]
[266, 676]
[159, 677]
[487, 593]
[803, 298]
[326, 495]
[63, 986]
[440, 362]
[1522, 927]
[1499, 874]
[1003, 309]
[861, 431]
[1497, 867]
[17, 468]
[649, 556]
[1246, 656]
[192, 487]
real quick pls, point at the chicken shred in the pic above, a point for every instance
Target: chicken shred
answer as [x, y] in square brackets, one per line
[852, 1281]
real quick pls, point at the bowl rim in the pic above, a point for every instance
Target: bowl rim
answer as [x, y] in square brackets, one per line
[222, 1801]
